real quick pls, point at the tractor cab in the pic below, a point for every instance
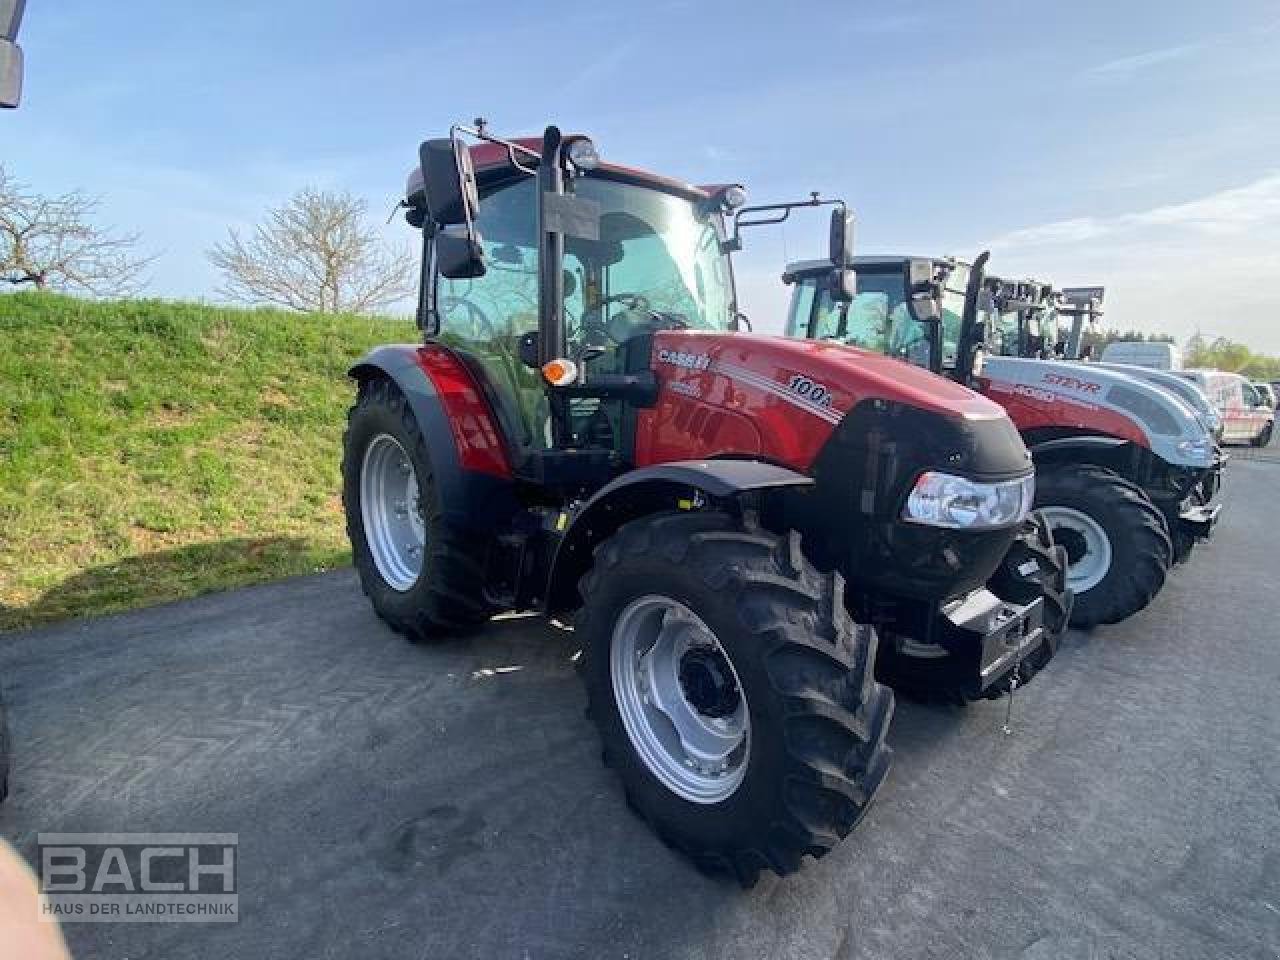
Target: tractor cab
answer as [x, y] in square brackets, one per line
[550, 279]
[909, 308]
[1078, 309]
[1020, 318]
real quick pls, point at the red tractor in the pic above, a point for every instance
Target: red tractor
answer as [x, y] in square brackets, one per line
[727, 518]
[1122, 465]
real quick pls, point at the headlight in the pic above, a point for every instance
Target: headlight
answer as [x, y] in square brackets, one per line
[944, 500]
[1200, 451]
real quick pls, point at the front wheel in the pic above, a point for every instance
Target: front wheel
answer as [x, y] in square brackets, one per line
[733, 694]
[1117, 541]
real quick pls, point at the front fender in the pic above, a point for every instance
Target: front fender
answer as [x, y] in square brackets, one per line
[1091, 444]
[677, 485]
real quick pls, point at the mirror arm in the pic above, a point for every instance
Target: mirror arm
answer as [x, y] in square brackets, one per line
[781, 210]
[480, 133]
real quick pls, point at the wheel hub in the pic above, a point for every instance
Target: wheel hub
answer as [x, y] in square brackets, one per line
[391, 512]
[679, 699]
[1073, 541]
[707, 681]
[1087, 543]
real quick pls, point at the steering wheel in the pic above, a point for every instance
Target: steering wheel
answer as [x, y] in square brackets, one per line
[479, 320]
[595, 322]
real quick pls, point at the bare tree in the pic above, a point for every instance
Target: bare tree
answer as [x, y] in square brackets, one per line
[51, 242]
[317, 252]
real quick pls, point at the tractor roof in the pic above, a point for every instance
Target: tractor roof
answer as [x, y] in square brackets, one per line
[492, 162]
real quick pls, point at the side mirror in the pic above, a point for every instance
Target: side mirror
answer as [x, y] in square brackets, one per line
[449, 178]
[920, 274]
[742, 322]
[459, 255]
[843, 284]
[926, 307]
[10, 73]
[842, 237]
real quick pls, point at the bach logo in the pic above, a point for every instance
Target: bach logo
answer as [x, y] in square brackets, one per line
[139, 877]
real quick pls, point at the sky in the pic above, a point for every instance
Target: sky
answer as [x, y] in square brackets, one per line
[1129, 144]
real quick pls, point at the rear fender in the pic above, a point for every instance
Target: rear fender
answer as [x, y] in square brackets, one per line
[468, 460]
[678, 485]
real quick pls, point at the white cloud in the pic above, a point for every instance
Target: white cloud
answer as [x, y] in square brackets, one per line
[1210, 263]
[1123, 68]
[1230, 211]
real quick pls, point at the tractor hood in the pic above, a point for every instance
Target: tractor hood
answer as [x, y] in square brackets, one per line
[1185, 391]
[736, 394]
[1088, 398]
[830, 375]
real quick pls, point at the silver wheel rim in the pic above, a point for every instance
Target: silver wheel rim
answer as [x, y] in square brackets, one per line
[680, 699]
[391, 509]
[1088, 569]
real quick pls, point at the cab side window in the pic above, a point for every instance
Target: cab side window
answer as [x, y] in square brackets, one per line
[485, 317]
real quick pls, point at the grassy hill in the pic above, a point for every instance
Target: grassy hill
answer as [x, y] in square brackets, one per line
[153, 450]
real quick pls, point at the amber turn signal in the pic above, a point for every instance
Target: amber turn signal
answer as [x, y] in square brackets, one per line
[560, 373]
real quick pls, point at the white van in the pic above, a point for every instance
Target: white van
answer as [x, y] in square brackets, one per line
[1245, 418]
[1141, 353]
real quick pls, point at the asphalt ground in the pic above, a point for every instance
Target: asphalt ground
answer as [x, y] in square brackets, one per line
[449, 801]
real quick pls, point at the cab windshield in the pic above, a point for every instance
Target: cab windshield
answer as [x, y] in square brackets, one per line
[656, 264]
[1019, 332]
[879, 317]
[656, 254]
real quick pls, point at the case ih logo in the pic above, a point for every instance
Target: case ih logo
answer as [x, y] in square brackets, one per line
[1071, 383]
[688, 361]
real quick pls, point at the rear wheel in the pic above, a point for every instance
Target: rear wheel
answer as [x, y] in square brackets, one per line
[1264, 438]
[423, 577]
[733, 694]
[1117, 541]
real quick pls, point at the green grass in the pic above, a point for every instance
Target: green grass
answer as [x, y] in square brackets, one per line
[151, 450]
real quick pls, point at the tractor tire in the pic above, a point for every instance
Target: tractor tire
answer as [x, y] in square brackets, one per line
[723, 631]
[1117, 541]
[444, 596]
[932, 676]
